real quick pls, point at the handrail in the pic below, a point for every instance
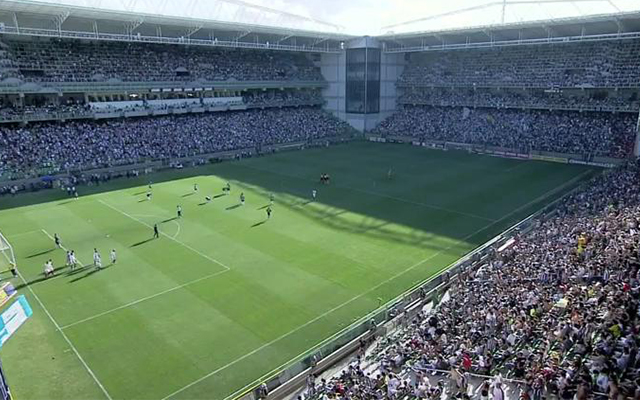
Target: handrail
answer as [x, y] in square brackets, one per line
[514, 42]
[163, 40]
[610, 109]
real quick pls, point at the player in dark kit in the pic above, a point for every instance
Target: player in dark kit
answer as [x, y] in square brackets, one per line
[56, 239]
[156, 233]
[269, 211]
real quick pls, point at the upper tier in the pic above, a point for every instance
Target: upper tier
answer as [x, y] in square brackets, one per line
[86, 61]
[585, 64]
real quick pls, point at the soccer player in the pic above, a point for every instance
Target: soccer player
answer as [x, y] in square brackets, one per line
[227, 188]
[269, 211]
[113, 256]
[390, 174]
[179, 209]
[97, 260]
[48, 269]
[195, 187]
[208, 199]
[148, 195]
[150, 183]
[156, 233]
[73, 260]
[13, 269]
[314, 193]
[242, 198]
[271, 198]
[68, 258]
[56, 240]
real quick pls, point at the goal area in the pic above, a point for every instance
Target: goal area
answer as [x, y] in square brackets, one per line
[7, 258]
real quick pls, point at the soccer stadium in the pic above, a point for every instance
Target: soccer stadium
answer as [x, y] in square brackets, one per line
[315, 200]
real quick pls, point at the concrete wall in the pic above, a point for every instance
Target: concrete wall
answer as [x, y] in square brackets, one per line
[392, 66]
[333, 67]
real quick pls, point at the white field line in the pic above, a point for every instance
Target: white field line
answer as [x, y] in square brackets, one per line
[372, 193]
[133, 303]
[17, 235]
[270, 343]
[63, 248]
[175, 235]
[164, 234]
[66, 338]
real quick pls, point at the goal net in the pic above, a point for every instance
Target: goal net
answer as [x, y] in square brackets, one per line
[7, 258]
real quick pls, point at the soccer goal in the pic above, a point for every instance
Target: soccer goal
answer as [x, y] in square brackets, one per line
[7, 258]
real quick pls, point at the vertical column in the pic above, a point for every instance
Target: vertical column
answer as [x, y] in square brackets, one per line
[636, 146]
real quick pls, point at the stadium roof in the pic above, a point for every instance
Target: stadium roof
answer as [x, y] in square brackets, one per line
[53, 19]
[363, 17]
[600, 27]
[127, 20]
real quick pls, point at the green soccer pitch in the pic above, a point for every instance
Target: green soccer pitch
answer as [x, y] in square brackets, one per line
[225, 296]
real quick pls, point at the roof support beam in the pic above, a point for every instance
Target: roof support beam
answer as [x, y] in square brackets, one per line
[283, 38]
[15, 22]
[489, 34]
[241, 35]
[620, 24]
[318, 41]
[59, 19]
[193, 29]
[130, 26]
[95, 28]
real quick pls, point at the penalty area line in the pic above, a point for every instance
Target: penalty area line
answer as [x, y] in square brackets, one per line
[143, 299]
[66, 338]
[165, 235]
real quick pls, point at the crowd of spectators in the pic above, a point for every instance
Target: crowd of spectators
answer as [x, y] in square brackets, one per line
[519, 99]
[280, 98]
[58, 60]
[614, 63]
[91, 144]
[584, 133]
[253, 99]
[10, 113]
[557, 313]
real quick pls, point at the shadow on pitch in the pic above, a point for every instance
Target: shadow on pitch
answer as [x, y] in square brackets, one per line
[66, 202]
[139, 193]
[219, 195]
[188, 194]
[263, 207]
[77, 270]
[259, 223]
[169, 220]
[204, 203]
[89, 273]
[372, 216]
[141, 243]
[42, 278]
[233, 207]
[41, 253]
